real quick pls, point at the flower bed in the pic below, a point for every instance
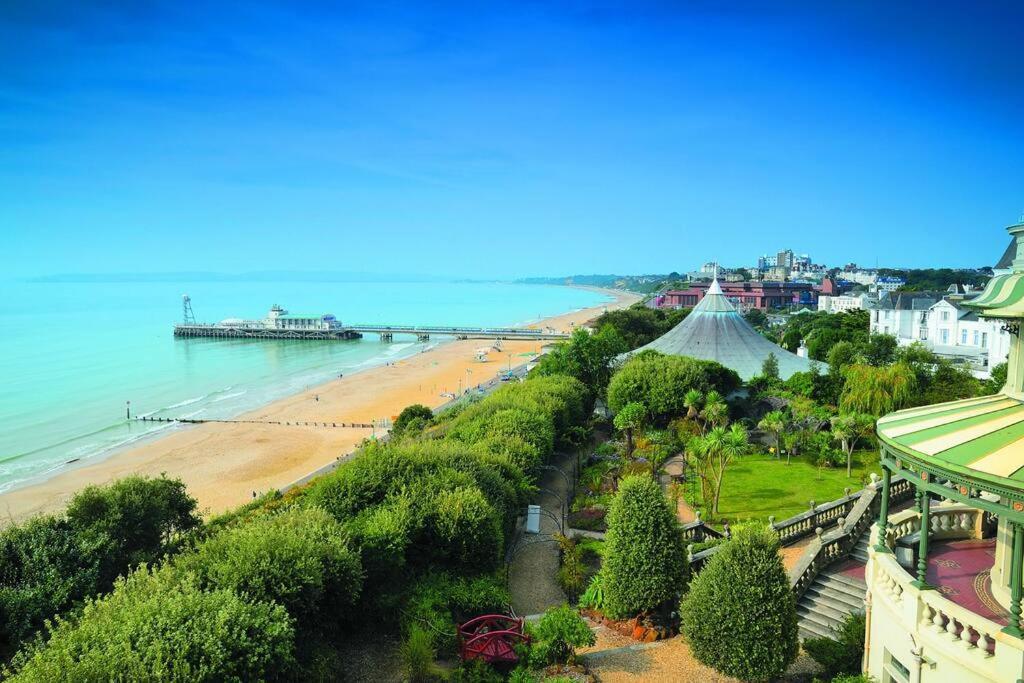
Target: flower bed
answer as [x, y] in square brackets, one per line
[642, 628]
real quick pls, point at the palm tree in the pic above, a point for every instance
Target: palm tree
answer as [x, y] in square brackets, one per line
[715, 451]
[848, 429]
[774, 423]
[716, 411]
[691, 401]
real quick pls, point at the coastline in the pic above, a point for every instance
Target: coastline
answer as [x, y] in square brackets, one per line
[224, 463]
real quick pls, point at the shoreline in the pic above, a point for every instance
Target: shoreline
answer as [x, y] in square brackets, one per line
[223, 464]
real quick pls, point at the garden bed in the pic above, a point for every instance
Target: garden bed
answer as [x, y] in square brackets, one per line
[644, 629]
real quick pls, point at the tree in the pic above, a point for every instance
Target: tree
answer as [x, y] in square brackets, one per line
[715, 412]
[877, 391]
[414, 415]
[770, 367]
[850, 428]
[644, 562]
[841, 355]
[996, 381]
[661, 383]
[774, 423]
[139, 519]
[628, 420]
[715, 450]
[692, 401]
[586, 356]
[842, 653]
[880, 350]
[743, 592]
[155, 627]
[639, 325]
[46, 566]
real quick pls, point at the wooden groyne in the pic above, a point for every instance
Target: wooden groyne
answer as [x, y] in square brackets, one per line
[286, 423]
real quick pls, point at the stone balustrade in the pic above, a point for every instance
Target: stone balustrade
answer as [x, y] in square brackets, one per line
[945, 632]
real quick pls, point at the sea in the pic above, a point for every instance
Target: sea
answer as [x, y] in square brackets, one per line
[76, 356]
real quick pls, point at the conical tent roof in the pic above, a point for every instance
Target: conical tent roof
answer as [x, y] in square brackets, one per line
[714, 330]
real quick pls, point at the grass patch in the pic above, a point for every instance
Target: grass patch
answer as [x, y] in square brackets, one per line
[759, 486]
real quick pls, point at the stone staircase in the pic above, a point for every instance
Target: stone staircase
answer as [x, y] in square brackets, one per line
[832, 597]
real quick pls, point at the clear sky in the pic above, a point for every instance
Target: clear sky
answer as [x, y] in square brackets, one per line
[530, 138]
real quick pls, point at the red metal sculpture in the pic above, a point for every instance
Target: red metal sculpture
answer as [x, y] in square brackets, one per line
[491, 638]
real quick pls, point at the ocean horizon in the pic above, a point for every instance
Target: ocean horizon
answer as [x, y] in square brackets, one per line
[76, 352]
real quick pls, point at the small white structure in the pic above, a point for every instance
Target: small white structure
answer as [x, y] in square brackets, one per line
[845, 302]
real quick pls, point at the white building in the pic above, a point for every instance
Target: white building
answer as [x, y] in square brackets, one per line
[844, 302]
[860, 276]
[943, 325]
[888, 283]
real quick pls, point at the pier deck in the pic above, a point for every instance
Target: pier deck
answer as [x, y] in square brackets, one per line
[386, 332]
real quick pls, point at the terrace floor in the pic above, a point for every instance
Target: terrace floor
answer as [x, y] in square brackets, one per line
[961, 571]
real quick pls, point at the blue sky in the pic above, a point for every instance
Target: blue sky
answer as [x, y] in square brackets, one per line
[499, 140]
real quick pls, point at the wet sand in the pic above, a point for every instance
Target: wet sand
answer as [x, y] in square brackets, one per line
[224, 463]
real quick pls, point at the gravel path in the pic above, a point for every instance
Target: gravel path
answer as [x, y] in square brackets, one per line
[666, 661]
[533, 573]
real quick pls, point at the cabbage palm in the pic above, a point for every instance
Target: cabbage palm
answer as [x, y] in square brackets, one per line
[715, 451]
[716, 411]
[848, 429]
[774, 423]
[692, 400]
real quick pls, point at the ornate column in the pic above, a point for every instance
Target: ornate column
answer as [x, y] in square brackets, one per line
[883, 511]
[1016, 570]
[924, 503]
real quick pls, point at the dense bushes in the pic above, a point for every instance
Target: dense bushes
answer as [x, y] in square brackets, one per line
[661, 382]
[557, 635]
[843, 653]
[430, 510]
[297, 558]
[50, 563]
[155, 627]
[743, 592]
[644, 563]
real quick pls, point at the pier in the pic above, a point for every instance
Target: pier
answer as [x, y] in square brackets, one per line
[424, 332]
[280, 324]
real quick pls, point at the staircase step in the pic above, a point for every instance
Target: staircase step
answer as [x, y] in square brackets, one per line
[832, 613]
[859, 555]
[816, 592]
[841, 582]
[823, 623]
[809, 629]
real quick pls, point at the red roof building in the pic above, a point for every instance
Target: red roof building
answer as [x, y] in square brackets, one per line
[764, 295]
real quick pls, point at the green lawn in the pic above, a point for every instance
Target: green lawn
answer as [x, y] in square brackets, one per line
[757, 486]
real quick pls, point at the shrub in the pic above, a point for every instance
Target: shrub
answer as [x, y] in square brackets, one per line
[660, 383]
[440, 599]
[558, 633]
[842, 654]
[154, 627]
[463, 530]
[644, 562]
[418, 654]
[383, 534]
[743, 592]
[140, 520]
[417, 414]
[298, 558]
[45, 567]
[593, 597]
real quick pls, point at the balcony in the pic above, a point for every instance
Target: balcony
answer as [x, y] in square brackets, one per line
[951, 629]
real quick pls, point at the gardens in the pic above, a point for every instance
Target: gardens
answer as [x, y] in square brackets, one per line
[410, 538]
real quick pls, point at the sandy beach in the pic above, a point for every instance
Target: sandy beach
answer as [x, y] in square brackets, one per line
[224, 463]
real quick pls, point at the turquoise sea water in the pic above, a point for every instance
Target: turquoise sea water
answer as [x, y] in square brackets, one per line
[72, 354]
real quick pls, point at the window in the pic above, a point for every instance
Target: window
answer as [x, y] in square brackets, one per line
[885, 330]
[963, 337]
[975, 337]
[984, 340]
[922, 334]
[944, 334]
[945, 316]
